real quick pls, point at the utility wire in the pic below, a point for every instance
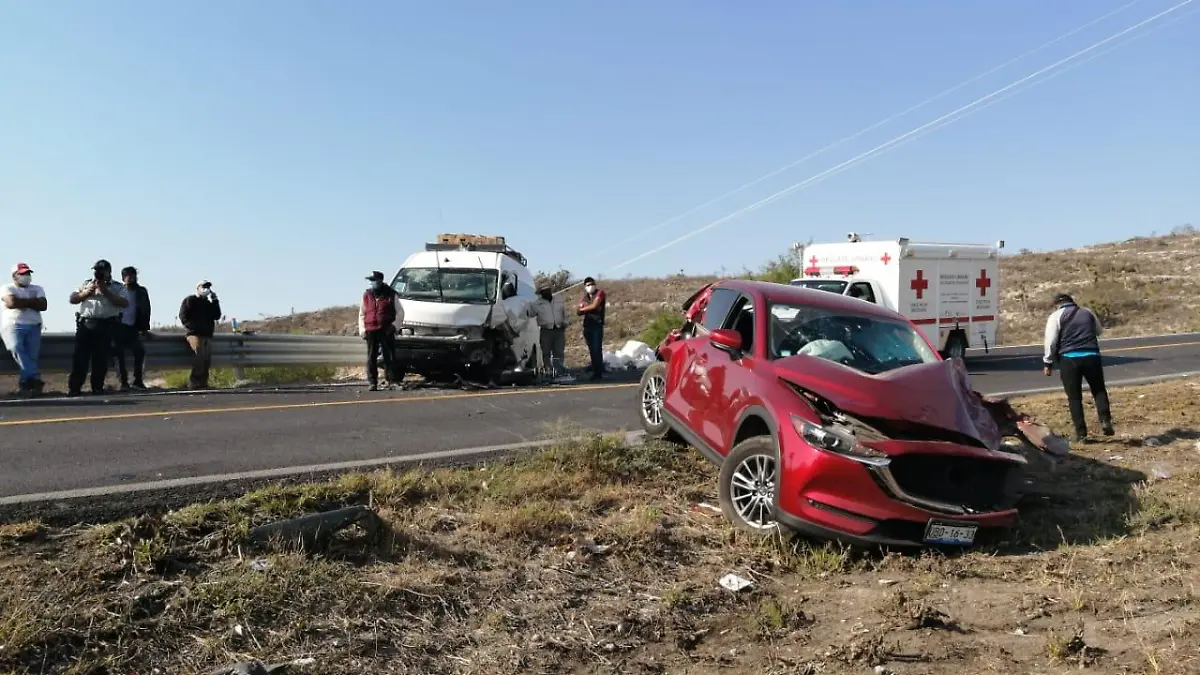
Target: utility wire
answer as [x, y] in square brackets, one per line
[857, 134]
[884, 147]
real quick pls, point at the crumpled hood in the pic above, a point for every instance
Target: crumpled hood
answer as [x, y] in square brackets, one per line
[937, 394]
[444, 313]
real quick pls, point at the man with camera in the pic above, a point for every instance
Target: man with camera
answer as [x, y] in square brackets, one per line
[199, 314]
[100, 304]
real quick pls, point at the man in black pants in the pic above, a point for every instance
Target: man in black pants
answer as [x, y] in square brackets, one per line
[134, 325]
[100, 303]
[1072, 340]
[379, 316]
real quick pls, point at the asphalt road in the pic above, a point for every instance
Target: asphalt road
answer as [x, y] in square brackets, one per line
[58, 445]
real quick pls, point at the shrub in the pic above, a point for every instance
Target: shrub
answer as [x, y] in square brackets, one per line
[557, 280]
[267, 375]
[662, 323]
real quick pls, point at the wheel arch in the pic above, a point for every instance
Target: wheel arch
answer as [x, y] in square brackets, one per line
[756, 420]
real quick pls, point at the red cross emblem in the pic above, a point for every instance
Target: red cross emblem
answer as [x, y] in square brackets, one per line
[983, 283]
[886, 257]
[920, 284]
[812, 268]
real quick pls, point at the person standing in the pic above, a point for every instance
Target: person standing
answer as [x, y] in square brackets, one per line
[21, 325]
[100, 303]
[379, 316]
[135, 325]
[199, 314]
[551, 314]
[591, 308]
[1072, 341]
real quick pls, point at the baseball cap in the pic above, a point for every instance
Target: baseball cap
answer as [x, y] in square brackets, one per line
[102, 265]
[375, 276]
[22, 268]
[204, 283]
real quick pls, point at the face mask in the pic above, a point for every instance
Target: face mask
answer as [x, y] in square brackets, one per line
[590, 289]
[376, 285]
[24, 279]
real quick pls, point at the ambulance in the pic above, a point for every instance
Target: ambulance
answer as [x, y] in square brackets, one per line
[950, 291]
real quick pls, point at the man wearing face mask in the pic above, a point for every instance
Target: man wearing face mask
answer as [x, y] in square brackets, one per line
[380, 315]
[591, 308]
[199, 314]
[100, 303]
[135, 324]
[551, 314]
[21, 326]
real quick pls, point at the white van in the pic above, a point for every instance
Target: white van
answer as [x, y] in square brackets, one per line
[950, 291]
[464, 299]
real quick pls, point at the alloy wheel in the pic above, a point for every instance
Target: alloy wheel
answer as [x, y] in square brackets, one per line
[652, 400]
[752, 491]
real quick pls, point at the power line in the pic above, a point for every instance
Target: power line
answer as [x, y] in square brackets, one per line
[857, 134]
[884, 147]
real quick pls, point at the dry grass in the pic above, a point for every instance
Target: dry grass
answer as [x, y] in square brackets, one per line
[591, 558]
[1147, 285]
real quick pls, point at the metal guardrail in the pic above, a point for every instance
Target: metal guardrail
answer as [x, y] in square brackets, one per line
[169, 351]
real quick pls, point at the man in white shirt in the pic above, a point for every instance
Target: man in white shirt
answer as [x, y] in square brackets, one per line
[21, 324]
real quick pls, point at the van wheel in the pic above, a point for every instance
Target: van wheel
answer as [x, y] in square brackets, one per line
[956, 346]
[748, 480]
[652, 392]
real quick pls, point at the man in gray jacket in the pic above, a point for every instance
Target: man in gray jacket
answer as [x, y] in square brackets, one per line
[1072, 341]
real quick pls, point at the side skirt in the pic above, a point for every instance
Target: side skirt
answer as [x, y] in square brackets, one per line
[692, 439]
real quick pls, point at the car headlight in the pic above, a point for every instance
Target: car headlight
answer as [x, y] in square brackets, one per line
[838, 441]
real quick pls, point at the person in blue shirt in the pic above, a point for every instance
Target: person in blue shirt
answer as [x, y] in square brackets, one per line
[1073, 342]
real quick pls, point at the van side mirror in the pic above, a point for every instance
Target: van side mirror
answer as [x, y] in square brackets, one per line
[728, 341]
[507, 290]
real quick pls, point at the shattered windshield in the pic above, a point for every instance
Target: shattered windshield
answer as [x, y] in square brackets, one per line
[822, 285]
[870, 344]
[447, 284]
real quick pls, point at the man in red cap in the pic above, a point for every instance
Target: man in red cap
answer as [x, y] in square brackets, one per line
[21, 325]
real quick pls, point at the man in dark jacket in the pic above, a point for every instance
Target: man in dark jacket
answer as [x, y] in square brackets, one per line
[1072, 340]
[135, 325]
[199, 314]
[592, 308]
[379, 315]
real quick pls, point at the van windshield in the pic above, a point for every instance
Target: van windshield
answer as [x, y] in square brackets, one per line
[472, 286]
[830, 285]
[870, 344]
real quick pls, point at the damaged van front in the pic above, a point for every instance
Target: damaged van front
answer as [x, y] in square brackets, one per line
[465, 299]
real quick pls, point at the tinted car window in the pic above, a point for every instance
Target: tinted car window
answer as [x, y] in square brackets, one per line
[718, 307]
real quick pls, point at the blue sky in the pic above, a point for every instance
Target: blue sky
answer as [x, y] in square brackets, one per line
[285, 149]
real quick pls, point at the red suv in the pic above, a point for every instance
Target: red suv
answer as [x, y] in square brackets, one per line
[834, 417]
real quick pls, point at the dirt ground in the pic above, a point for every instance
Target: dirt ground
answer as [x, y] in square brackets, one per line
[596, 558]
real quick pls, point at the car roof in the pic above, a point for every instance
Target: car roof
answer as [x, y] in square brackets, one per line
[810, 297]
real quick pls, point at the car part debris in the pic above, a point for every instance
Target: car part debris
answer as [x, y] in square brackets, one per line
[318, 527]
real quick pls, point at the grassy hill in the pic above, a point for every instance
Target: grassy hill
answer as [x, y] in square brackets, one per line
[1144, 285]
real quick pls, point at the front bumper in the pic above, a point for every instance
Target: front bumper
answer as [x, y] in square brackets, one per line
[833, 496]
[437, 351]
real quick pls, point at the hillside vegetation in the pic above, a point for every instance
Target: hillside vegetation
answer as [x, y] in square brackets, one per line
[1144, 285]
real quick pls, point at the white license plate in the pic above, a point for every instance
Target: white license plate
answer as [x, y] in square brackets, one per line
[961, 534]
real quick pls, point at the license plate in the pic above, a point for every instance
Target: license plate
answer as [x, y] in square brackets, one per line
[960, 534]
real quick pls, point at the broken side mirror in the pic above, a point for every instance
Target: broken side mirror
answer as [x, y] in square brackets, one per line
[728, 341]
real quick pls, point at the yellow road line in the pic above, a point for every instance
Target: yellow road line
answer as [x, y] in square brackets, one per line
[413, 399]
[296, 406]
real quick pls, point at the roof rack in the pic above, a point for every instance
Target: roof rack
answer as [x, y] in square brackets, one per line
[474, 242]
